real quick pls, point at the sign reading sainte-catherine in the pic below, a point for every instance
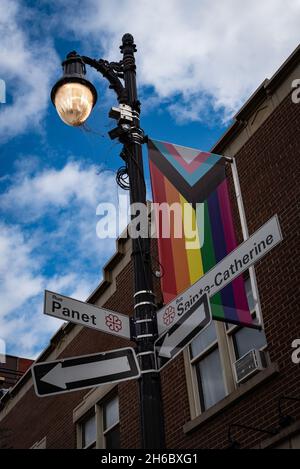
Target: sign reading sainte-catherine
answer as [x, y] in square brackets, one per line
[233, 265]
[83, 372]
[85, 314]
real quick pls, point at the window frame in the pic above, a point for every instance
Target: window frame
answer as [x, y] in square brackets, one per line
[102, 404]
[96, 409]
[85, 418]
[196, 374]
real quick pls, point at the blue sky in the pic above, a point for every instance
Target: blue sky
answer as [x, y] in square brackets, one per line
[198, 61]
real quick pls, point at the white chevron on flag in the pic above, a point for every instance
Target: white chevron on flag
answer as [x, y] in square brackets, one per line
[187, 154]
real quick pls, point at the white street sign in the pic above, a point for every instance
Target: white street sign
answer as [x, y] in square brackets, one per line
[85, 314]
[60, 376]
[87, 371]
[171, 343]
[239, 260]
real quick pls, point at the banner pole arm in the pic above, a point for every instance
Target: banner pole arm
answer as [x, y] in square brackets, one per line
[245, 232]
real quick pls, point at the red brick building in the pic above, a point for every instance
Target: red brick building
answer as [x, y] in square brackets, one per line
[11, 371]
[201, 398]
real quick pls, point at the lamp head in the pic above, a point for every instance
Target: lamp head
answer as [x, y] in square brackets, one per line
[73, 95]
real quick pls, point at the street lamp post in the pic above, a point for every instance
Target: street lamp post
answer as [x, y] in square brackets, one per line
[74, 97]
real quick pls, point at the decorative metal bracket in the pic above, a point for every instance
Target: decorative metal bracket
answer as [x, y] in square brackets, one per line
[113, 72]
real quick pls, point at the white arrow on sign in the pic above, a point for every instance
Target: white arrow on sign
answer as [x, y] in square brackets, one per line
[172, 339]
[72, 374]
[85, 314]
[60, 376]
[171, 343]
[233, 265]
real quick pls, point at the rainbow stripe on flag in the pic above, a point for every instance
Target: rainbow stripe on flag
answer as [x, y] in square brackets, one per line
[183, 175]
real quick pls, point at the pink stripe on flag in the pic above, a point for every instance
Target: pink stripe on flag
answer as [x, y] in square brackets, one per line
[240, 298]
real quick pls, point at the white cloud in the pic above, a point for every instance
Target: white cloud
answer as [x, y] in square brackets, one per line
[49, 243]
[18, 270]
[198, 56]
[28, 66]
[20, 284]
[22, 324]
[197, 52]
[68, 197]
[54, 187]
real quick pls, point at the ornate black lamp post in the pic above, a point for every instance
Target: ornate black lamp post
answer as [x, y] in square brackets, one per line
[74, 97]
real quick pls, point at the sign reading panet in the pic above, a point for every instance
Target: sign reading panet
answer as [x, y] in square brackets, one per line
[85, 314]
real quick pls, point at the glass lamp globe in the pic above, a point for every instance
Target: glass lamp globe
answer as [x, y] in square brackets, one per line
[74, 102]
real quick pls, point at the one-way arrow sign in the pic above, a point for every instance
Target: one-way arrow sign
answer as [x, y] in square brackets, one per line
[87, 371]
[85, 314]
[183, 332]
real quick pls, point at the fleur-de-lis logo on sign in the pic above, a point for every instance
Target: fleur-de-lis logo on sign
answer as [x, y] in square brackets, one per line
[169, 315]
[113, 323]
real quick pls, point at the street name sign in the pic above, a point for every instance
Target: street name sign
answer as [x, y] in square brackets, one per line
[233, 265]
[85, 314]
[171, 343]
[73, 374]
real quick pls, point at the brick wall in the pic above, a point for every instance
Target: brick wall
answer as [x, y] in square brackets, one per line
[268, 167]
[269, 171]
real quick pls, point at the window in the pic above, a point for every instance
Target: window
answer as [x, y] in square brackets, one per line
[211, 381]
[89, 432]
[245, 339]
[206, 363]
[210, 358]
[111, 424]
[100, 426]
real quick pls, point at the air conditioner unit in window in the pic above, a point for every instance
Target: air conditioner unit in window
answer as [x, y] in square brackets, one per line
[250, 364]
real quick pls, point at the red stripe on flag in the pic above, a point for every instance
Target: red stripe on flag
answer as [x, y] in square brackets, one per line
[181, 270]
[168, 281]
